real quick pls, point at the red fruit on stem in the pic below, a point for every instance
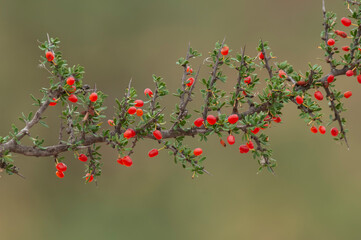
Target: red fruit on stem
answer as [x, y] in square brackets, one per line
[334, 132]
[53, 103]
[347, 94]
[148, 92]
[198, 122]
[349, 73]
[243, 149]
[157, 134]
[72, 89]
[225, 50]
[60, 174]
[73, 98]
[70, 80]
[250, 145]
[49, 55]
[127, 161]
[314, 129]
[198, 151]
[261, 56]
[248, 80]
[346, 48]
[346, 22]
[232, 119]
[231, 139]
[299, 100]
[318, 95]
[139, 112]
[152, 153]
[111, 122]
[211, 119]
[93, 97]
[281, 73]
[322, 129]
[120, 161]
[330, 78]
[359, 78]
[255, 130]
[190, 81]
[138, 103]
[277, 119]
[89, 177]
[61, 167]
[129, 133]
[83, 158]
[132, 110]
[331, 42]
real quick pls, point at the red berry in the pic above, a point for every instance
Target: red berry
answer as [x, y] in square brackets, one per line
[231, 139]
[111, 122]
[53, 103]
[60, 174]
[189, 69]
[299, 100]
[281, 73]
[277, 119]
[248, 80]
[322, 129]
[359, 78]
[233, 119]
[349, 73]
[225, 50]
[334, 132]
[70, 80]
[198, 151]
[255, 130]
[243, 149]
[120, 161]
[301, 83]
[89, 178]
[93, 97]
[346, 48]
[132, 110]
[157, 134]
[72, 89]
[330, 78]
[129, 133]
[139, 112]
[347, 94]
[148, 92]
[342, 34]
[198, 122]
[73, 98]
[331, 42]
[222, 143]
[49, 55]
[314, 129]
[261, 56]
[250, 145]
[83, 158]
[346, 22]
[127, 161]
[318, 95]
[152, 153]
[138, 103]
[211, 119]
[61, 167]
[190, 81]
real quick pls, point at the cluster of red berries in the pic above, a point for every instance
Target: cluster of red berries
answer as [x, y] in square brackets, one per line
[136, 108]
[126, 161]
[61, 168]
[322, 130]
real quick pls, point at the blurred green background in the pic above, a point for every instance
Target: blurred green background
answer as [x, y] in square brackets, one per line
[314, 195]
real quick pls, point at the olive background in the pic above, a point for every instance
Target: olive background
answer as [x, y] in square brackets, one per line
[315, 193]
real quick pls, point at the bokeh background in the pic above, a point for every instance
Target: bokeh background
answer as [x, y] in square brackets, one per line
[314, 195]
